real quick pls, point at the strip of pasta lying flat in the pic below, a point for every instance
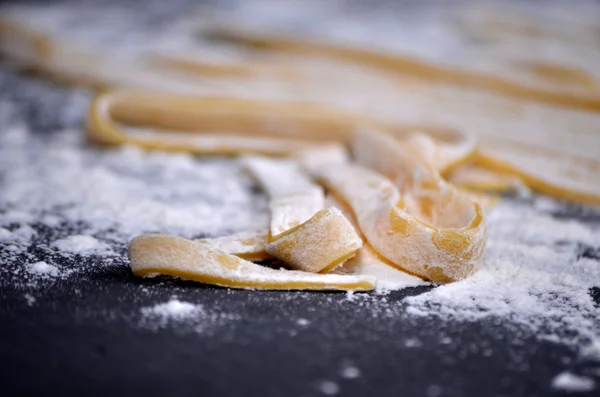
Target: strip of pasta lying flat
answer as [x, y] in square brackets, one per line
[155, 254]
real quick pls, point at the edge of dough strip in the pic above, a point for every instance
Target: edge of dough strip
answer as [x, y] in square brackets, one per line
[251, 246]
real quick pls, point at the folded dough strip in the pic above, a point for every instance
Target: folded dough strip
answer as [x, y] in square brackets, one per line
[367, 262]
[301, 232]
[413, 219]
[169, 255]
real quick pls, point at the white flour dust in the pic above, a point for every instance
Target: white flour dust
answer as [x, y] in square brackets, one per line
[82, 245]
[572, 383]
[183, 316]
[173, 310]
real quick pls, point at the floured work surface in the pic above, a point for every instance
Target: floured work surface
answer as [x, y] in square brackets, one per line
[75, 319]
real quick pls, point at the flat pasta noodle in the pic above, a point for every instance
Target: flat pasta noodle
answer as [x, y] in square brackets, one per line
[550, 172]
[169, 255]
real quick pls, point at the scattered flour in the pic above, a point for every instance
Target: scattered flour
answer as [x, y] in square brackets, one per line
[412, 342]
[43, 269]
[329, 388]
[433, 391]
[29, 299]
[572, 383]
[172, 311]
[5, 234]
[82, 245]
[349, 371]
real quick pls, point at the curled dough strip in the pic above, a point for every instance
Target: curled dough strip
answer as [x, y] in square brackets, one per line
[367, 262]
[225, 125]
[155, 254]
[413, 219]
[302, 233]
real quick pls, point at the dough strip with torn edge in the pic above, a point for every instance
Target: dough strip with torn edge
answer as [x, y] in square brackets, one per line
[302, 233]
[155, 254]
[403, 65]
[418, 222]
[251, 246]
[226, 125]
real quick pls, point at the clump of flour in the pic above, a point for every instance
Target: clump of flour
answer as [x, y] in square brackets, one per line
[573, 383]
[82, 245]
[43, 269]
[173, 310]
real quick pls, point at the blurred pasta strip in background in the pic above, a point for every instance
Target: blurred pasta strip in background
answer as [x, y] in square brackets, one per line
[485, 93]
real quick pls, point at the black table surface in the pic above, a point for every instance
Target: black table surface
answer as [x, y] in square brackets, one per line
[79, 340]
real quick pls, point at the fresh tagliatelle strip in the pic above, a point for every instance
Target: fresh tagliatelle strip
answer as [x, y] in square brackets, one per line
[158, 254]
[302, 233]
[413, 219]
